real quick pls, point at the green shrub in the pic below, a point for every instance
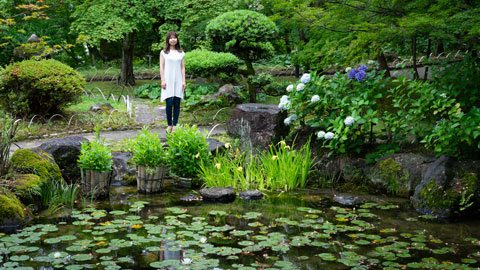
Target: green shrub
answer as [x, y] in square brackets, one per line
[276, 88]
[205, 63]
[39, 87]
[95, 156]
[151, 91]
[259, 81]
[187, 148]
[147, 149]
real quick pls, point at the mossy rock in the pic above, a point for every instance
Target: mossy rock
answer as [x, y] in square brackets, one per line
[453, 200]
[39, 163]
[12, 213]
[390, 176]
[129, 180]
[27, 187]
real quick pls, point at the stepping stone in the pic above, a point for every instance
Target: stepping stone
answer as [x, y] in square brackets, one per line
[348, 200]
[159, 112]
[143, 114]
[218, 194]
[251, 195]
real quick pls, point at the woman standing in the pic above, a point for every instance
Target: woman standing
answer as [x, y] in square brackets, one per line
[172, 73]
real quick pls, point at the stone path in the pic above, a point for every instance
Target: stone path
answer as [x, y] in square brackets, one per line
[145, 115]
[110, 136]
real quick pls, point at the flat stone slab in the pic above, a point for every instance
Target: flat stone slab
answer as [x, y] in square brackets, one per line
[143, 114]
[251, 195]
[218, 194]
[159, 112]
[348, 200]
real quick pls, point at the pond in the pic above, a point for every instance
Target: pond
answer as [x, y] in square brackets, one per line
[303, 230]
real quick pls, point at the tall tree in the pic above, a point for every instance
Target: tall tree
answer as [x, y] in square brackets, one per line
[114, 20]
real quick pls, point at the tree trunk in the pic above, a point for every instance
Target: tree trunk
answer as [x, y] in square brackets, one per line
[414, 57]
[440, 47]
[287, 43]
[127, 77]
[429, 50]
[250, 72]
[382, 61]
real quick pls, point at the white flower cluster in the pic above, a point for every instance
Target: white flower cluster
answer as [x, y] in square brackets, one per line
[290, 88]
[305, 78]
[347, 70]
[284, 103]
[300, 86]
[349, 121]
[327, 136]
[315, 98]
[289, 119]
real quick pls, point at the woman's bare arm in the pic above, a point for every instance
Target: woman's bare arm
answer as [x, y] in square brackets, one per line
[162, 71]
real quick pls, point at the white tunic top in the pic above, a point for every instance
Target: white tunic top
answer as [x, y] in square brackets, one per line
[173, 74]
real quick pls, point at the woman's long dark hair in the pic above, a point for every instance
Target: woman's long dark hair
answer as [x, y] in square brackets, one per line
[167, 44]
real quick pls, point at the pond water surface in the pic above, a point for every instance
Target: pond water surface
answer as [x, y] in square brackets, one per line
[302, 230]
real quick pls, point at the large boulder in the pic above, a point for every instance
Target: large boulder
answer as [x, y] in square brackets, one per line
[13, 213]
[226, 92]
[36, 161]
[262, 123]
[65, 152]
[399, 174]
[101, 107]
[448, 189]
[215, 146]
[218, 194]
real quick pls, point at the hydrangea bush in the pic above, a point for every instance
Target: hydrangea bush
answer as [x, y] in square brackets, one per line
[346, 107]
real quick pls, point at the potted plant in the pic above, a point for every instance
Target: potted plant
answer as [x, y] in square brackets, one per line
[149, 155]
[95, 162]
[187, 148]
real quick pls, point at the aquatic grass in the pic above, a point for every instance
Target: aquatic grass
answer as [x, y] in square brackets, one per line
[285, 167]
[54, 195]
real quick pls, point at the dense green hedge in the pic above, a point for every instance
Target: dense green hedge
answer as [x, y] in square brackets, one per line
[39, 87]
[205, 63]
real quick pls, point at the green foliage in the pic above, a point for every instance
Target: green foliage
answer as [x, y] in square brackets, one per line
[280, 168]
[7, 131]
[95, 156]
[147, 149]
[39, 87]
[151, 90]
[456, 80]
[187, 149]
[195, 92]
[259, 81]
[207, 64]
[392, 177]
[54, 195]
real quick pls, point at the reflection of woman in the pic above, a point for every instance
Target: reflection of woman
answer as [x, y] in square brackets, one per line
[172, 72]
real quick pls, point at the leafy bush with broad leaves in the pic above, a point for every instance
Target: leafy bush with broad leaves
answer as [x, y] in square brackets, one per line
[95, 156]
[345, 109]
[147, 149]
[187, 148]
[39, 87]
[206, 64]
[150, 90]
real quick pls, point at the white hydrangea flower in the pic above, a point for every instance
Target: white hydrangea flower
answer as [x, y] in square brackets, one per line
[300, 87]
[329, 135]
[315, 98]
[290, 88]
[293, 117]
[371, 62]
[305, 78]
[349, 121]
[347, 70]
[321, 134]
[287, 121]
[443, 95]
[284, 103]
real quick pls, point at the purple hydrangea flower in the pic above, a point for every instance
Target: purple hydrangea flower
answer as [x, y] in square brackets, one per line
[360, 75]
[363, 68]
[351, 74]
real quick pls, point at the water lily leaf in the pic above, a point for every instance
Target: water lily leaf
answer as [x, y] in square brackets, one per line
[176, 210]
[217, 213]
[240, 233]
[327, 256]
[103, 250]
[82, 257]
[74, 267]
[117, 213]
[20, 258]
[252, 215]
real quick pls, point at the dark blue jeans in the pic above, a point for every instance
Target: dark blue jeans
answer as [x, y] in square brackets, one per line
[173, 103]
